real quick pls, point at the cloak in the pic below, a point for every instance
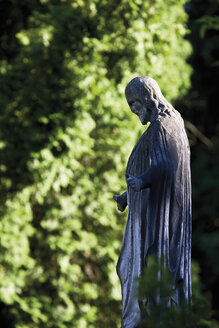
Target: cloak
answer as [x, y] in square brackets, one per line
[159, 217]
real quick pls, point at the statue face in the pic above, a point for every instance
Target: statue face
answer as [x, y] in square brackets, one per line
[138, 108]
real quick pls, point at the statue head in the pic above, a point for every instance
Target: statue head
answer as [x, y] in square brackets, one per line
[145, 98]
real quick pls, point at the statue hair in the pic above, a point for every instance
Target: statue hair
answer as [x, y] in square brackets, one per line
[147, 89]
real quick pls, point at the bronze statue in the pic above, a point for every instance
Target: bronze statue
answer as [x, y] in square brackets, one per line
[159, 200]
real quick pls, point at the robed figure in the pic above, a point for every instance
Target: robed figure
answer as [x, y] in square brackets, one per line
[159, 200]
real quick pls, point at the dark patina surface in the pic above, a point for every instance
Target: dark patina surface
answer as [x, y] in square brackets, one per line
[159, 200]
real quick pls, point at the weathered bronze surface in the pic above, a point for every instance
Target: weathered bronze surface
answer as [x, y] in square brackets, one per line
[159, 200]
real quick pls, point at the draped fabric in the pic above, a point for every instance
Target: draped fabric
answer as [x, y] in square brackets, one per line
[159, 217]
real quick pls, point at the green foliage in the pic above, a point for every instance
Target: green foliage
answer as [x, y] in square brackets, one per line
[208, 23]
[66, 132]
[152, 283]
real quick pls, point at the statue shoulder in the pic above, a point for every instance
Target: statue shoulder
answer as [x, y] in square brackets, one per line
[173, 125]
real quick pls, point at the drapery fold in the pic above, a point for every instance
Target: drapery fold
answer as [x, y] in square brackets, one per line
[159, 217]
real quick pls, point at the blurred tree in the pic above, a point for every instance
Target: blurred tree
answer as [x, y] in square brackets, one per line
[65, 136]
[199, 107]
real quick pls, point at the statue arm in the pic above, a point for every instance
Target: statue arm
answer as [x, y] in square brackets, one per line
[145, 180]
[164, 159]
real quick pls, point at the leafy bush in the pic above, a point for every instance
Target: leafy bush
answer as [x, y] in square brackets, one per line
[195, 314]
[65, 135]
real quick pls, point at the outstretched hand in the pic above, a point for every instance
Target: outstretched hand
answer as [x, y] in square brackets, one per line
[134, 183]
[121, 202]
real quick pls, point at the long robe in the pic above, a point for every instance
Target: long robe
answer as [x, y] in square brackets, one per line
[159, 217]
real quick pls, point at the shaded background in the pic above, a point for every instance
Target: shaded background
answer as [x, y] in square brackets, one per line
[66, 133]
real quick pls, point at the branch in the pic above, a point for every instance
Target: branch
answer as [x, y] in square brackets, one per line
[198, 134]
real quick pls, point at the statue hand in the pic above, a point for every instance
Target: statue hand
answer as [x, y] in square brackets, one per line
[134, 183]
[121, 202]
